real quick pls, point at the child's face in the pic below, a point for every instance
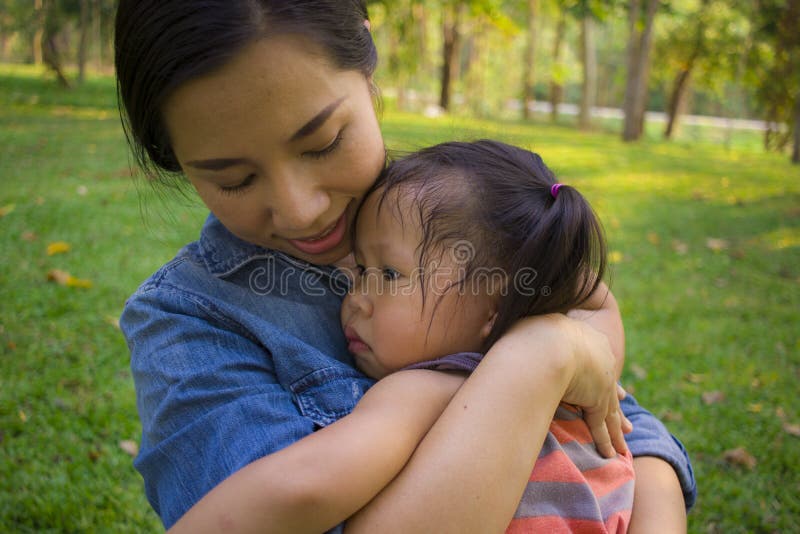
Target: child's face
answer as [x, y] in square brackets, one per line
[387, 323]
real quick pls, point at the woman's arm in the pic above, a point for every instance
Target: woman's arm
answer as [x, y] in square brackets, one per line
[469, 472]
[602, 312]
[322, 479]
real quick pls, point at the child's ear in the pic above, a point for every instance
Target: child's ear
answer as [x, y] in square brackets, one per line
[486, 329]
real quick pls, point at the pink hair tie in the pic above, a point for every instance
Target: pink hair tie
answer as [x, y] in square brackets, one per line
[554, 190]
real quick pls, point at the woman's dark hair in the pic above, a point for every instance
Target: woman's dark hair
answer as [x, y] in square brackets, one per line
[490, 206]
[160, 44]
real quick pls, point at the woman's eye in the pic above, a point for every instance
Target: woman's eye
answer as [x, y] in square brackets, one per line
[389, 274]
[317, 154]
[247, 182]
[360, 270]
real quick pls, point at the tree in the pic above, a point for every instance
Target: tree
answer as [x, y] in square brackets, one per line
[452, 13]
[775, 65]
[528, 62]
[557, 74]
[638, 52]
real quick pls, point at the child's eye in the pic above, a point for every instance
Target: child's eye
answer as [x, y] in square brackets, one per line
[389, 274]
[247, 182]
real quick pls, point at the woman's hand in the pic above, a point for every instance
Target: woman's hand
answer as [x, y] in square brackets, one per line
[593, 387]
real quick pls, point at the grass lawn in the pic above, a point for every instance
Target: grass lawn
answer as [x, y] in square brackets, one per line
[705, 245]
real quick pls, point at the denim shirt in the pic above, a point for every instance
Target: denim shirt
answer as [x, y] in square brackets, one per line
[237, 352]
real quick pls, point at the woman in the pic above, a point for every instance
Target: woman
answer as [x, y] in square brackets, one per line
[240, 366]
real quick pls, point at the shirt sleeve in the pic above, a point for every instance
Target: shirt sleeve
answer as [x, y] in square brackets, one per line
[207, 395]
[651, 438]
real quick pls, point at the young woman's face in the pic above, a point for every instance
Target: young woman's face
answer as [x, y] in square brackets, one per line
[280, 145]
[387, 322]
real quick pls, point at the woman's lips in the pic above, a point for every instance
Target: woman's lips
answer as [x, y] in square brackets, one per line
[354, 342]
[325, 241]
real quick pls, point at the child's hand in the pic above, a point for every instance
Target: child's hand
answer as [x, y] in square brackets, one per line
[593, 387]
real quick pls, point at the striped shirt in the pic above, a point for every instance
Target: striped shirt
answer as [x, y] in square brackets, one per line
[572, 488]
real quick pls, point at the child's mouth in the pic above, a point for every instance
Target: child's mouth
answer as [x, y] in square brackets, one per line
[354, 343]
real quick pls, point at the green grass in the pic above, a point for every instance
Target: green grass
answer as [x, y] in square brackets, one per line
[698, 320]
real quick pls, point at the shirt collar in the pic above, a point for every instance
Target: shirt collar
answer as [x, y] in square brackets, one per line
[223, 253]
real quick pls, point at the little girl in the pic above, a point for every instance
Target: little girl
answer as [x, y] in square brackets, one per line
[453, 245]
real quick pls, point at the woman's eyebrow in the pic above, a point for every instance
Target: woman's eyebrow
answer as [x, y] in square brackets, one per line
[314, 124]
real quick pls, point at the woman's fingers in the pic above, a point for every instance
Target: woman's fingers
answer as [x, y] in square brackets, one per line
[596, 421]
[615, 429]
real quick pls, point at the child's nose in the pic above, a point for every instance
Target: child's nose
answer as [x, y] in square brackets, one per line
[357, 300]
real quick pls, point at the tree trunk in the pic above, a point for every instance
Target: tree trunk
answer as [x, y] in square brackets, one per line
[528, 64]
[639, 45]
[452, 41]
[556, 85]
[51, 55]
[632, 80]
[36, 44]
[589, 60]
[796, 147]
[85, 28]
[675, 104]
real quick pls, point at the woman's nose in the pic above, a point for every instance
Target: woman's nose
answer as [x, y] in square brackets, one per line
[297, 204]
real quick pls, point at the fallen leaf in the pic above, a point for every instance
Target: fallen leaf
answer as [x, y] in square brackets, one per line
[716, 244]
[669, 416]
[713, 397]
[739, 456]
[7, 209]
[23, 416]
[638, 371]
[39, 201]
[130, 447]
[82, 190]
[755, 407]
[58, 247]
[29, 236]
[94, 455]
[698, 194]
[792, 429]
[680, 247]
[11, 345]
[780, 413]
[113, 321]
[737, 254]
[695, 378]
[63, 278]
[614, 256]
[653, 238]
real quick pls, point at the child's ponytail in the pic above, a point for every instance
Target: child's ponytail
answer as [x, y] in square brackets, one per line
[561, 254]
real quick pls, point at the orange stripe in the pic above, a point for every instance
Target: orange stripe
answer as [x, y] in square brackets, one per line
[567, 431]
[554, 524]
[556, 467]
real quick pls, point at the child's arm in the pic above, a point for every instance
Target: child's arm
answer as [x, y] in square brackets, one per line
[309, 490]
[602, 313]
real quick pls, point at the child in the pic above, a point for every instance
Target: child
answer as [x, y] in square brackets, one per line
[454, 244]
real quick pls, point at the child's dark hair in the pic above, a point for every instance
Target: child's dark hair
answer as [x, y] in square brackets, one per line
[497, 200]
[160, 44]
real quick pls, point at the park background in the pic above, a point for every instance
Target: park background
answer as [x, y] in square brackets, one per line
[702, 216]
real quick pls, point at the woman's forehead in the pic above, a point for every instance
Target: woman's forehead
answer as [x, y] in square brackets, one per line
[269, 90]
